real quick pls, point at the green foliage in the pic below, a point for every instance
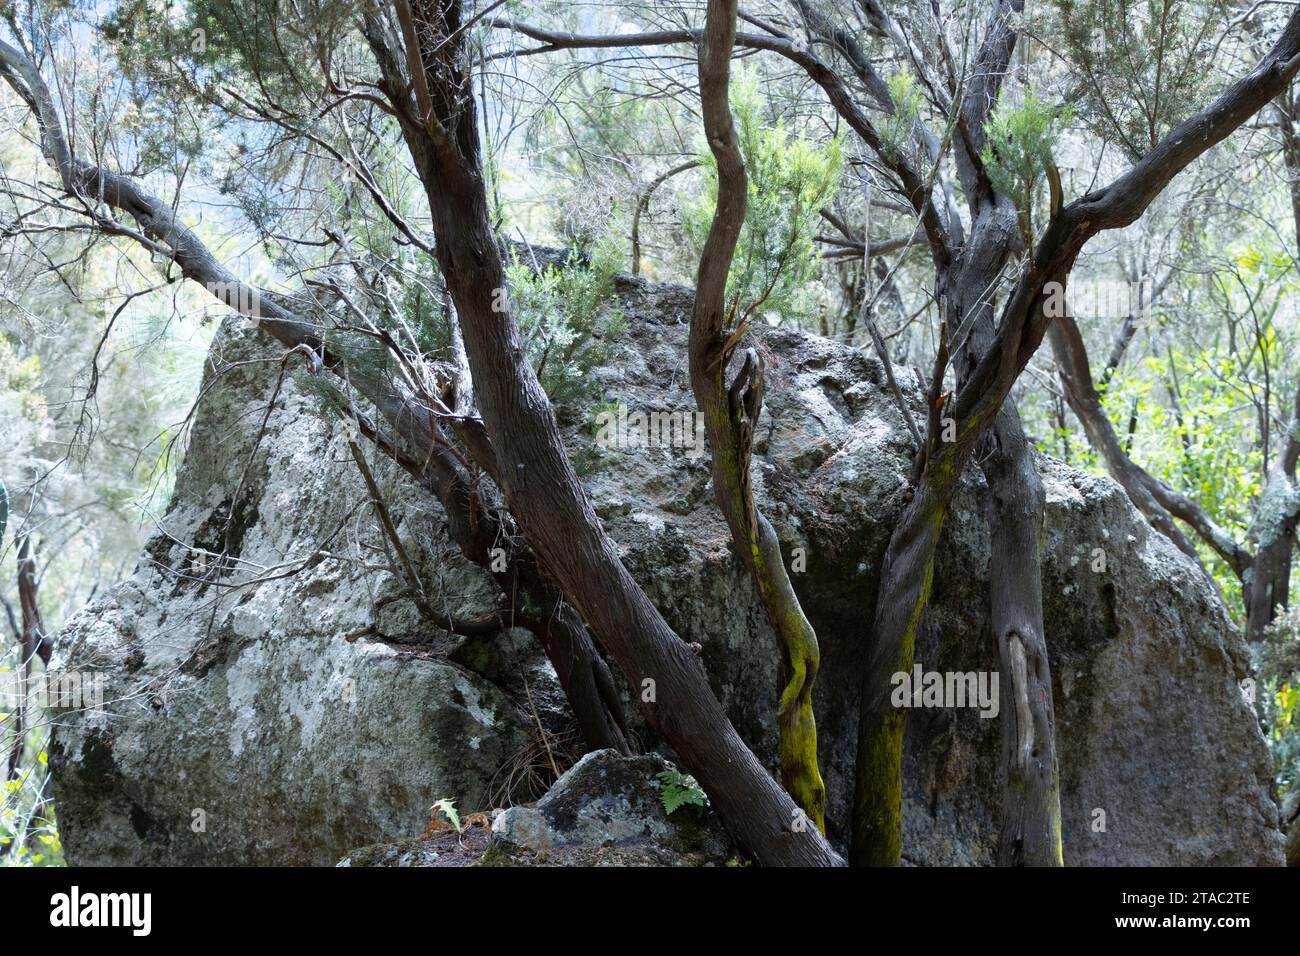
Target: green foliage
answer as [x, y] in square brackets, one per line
[1019, 147]
[24, 817]
[680, 790]
[448, 809]
[790, 179]
[1278, 695]
[906, 94]
[1144, 62]
[567, 316]
[1188, 447]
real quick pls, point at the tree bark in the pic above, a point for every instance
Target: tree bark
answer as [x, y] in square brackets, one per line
[535, 474]
[730, 416]
[35, 643]
[1031, 806]
[1270, 574]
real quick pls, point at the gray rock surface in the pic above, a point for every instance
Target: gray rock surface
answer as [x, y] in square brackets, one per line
[608, 810]
[230, 699]
[1291, 824]
[245, 711]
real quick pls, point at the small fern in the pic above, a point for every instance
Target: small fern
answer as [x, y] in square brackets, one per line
[680, 790]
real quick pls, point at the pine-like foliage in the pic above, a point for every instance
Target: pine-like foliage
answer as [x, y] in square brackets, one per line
[790, 179]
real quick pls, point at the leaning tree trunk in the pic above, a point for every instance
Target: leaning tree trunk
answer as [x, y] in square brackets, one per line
[1030, 811]
[906, 576]
[535, 474]
[1270, 579]
[730, 416]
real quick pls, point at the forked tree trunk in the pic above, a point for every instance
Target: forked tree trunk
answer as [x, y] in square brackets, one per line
[1030, 811]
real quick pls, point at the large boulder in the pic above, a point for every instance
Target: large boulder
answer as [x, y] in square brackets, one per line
[228, 698]
[249, 717]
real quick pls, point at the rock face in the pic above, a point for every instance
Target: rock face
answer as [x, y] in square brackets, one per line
[240, 724]
[1291, 823]
[605, 810]
[608, 810]
[231, 699]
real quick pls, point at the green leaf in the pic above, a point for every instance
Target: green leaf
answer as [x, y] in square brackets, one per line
[448, 809]
[680, 790]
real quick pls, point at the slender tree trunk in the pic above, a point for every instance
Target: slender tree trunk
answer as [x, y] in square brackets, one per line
[586, 679]
[1031, 806]
[1031, 803]
[1270, 577]
[730, 416]
[1270, 573]
[35, 643]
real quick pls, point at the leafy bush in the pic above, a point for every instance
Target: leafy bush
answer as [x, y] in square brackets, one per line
[567, 317]
[790, 179]
[1279, 677]
[1019, 148]
[1143, 63]
[906, 94]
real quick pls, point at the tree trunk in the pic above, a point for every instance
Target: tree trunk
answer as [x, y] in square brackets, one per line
[905, 579]
[1031, 806]
[535, 474]
[1030, 812]
[34, 644]
[730, 416]
[1270, 577]
[1031, 803]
